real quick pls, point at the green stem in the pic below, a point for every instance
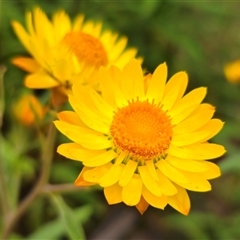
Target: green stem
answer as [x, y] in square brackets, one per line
[47, 156]
[3, 186]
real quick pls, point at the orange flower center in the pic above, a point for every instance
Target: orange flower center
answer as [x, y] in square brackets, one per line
[86, 48]
[142, 129]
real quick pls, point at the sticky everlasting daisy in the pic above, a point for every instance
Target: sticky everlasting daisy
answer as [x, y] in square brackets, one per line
[63, 51]
[141, 139]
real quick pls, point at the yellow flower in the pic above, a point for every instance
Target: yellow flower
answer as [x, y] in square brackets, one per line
[28, 110]
[232, 71]
[63, 51]
[141, 139]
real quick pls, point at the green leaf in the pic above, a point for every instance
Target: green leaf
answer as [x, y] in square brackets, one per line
[55, 229]
[69, 219]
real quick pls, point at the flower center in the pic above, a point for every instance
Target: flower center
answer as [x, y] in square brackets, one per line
[142, 129]
[86, 48]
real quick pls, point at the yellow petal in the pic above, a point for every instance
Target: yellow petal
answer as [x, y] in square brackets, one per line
[202, 151]
[125, 57]
[77, 23]
[80, 181]
[118, 49]
[213, 126]
[153, 200]
[187, 104]
[101, 105]
[131, 193]
[108, 39]
[127, 173]
[181, 79]
[107, 86]
[27, 64]
[170, 172]
[174, 90]
[187, 164]
[94, 174]
[212, 172]
[196, 121]
[43, 27]
[196, 182]
[112, 176]
[190, 138]
[149, 181]
[75, 151]
[132, 81]
[120, 157]
[113, 194]
[100, 159]
[21, 34]
[90, 118]
[180, 201]
[61, 25]
[166, 186]
[157, 84]
[151, 168]
[142, 205]
[71, 118]
[40, 79]
[88, 138]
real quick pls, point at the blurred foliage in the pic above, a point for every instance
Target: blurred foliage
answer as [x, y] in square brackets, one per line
[197, 37]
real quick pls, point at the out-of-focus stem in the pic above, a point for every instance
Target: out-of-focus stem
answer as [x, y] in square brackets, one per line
[61, 188]
[3, 188]
[47, 156]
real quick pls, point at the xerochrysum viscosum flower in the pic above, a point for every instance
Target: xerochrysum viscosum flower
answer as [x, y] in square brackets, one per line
[141, 139]
[63, 51]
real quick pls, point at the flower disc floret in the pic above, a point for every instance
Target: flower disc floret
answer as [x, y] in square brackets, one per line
[87, 48]
[142, 129]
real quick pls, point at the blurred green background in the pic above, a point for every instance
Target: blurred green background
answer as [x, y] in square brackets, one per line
[198, 37]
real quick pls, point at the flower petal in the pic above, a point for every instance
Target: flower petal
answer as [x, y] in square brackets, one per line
[166, 186]
[131, 193]
[27, 64]
[127, 173]
[112, 176]
[40, 79]
[75, 151]
[149, 181]
[101, 159]
[80, 180]
[88, 138]
[170, 172]
[142, 205]
[187, 164]
[153, 200]
[202, 151]
[113, 194]
[95, 174]
[180, 201]
[195, 121]
[157, 84]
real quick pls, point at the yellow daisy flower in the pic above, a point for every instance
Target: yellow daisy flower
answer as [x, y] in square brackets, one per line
[63, 51]
[232, 71]
[141, 139]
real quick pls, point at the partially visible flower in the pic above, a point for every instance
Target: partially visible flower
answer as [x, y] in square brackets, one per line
[28, 110]
[141, 139]
[232, 71]
[63, 51]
